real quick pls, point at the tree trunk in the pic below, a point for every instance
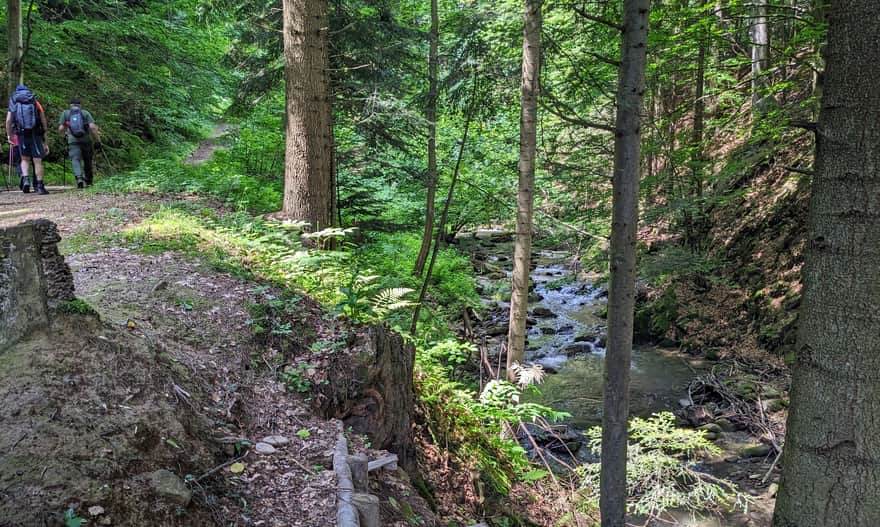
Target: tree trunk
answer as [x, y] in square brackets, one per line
[621, 293]
[15, 45]
[308, 167]
[760, 57]
[695, 225]
[831, 459]
[431, 117]
[444, 216]
[528, 119]
[819, 11]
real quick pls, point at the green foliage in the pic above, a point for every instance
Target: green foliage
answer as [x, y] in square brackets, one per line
[661, 474]
[270, 317]
[149, 73]
[361, 300]
[71, 519]
[658, 317]
[213, 179]
[295, 378]
[472, 427]
[76, 307]
[673, 262]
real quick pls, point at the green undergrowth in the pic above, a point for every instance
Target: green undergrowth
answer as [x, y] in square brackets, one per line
[212, 179]
[371, 281]
[76, 307]
[477, 430]
[151, 73]
[662, 471]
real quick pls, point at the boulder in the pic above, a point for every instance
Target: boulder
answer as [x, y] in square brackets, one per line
[757, 450]
[565, 330]
[710, 427]
[577, 348]
[167, 485]
[543, 312]
[725, 424]
[494, 331]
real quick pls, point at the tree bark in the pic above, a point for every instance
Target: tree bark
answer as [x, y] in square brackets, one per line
[308, 167]
[431, 117]
[760, 57]
[621, 294]
[831, 459]
[528, 119]
[819, 11]
[15, 48]
[695, 223]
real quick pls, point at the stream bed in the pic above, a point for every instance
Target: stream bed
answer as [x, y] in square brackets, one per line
[571, 343]
[567, 337]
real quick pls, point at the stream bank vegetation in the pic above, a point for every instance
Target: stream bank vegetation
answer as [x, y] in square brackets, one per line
[470, 420]
[725, 166]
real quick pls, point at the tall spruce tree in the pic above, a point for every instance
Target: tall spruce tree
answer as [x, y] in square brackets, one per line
[621, 292]
[831, 459]
[308, 168]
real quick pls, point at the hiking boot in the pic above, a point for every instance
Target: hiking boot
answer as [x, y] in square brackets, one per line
[80, 184]
[41, 188]
[25, 185]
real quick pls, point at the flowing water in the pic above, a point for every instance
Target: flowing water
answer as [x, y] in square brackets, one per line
[567, 337]
[571, 343]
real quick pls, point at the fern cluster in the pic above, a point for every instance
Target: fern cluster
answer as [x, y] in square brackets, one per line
[661, 472]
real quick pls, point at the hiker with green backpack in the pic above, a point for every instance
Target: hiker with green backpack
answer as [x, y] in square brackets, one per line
[80, 126]
[26, 121]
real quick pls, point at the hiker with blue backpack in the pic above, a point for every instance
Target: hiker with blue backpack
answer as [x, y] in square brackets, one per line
[27, 120]
[80, 126]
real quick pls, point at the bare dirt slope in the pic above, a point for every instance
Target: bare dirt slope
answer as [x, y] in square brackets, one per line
[144, 412]
[170, 379]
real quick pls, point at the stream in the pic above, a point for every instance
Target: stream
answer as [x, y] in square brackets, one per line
[566, 336]
[571, 343]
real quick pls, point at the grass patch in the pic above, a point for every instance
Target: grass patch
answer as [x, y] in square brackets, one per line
[76, 307]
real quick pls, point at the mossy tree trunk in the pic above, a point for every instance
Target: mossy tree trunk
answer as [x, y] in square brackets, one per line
[308, 167]
[15, 48]
[831, 458]
[528, 120]
[431, 117]
[621, 293]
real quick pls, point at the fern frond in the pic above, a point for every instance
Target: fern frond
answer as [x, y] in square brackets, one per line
[528, 375]
[391, 299]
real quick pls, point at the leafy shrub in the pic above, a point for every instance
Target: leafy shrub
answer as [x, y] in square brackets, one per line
[474, 428]
[674, 261]
[661, 473]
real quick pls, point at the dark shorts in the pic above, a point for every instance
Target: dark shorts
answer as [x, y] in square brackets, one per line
[30, 144]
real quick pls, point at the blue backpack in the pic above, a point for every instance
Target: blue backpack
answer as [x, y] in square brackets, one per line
[23, 105]
[76, 123]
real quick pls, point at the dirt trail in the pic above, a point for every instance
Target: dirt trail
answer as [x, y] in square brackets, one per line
[210, 145]
[207, 364]
[198, 321]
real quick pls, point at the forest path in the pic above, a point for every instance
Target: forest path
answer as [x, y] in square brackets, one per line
[200, 318]
[206, 148]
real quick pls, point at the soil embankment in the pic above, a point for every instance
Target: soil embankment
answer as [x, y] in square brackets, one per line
[151, 413]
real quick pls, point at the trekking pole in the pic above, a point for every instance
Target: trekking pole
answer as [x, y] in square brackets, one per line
[9, 172]
[64, 172]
